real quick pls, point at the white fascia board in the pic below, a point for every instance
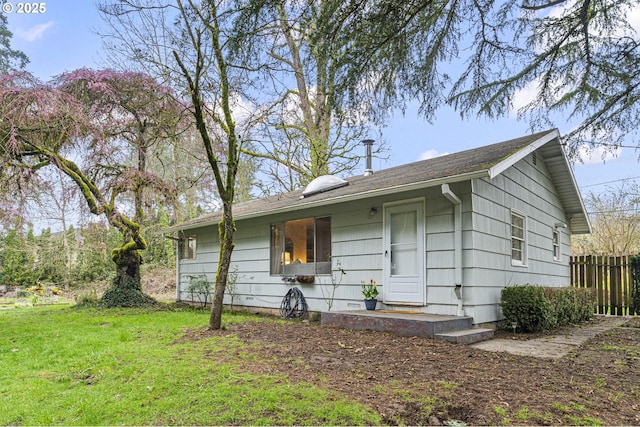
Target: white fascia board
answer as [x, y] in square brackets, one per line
[513, 159]
[484, 173]
[373, 193]
[578, 195]
[522, 153]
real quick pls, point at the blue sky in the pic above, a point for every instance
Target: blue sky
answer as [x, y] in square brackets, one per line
[63, 39]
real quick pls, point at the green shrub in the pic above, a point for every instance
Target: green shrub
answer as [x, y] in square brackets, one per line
[24, 294]
[570, 305]
[125, 297]
[88, 298]
[200, 287]
[536, 308]
[527, 306]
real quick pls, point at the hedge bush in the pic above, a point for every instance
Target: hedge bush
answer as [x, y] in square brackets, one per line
[525, 305]
[538, 308]
[126, 297]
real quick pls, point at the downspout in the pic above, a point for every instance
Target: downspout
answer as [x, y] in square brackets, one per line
[457, 238]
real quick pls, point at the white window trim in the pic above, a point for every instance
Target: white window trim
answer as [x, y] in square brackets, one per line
[515, 262]
[557, 244]
[184, 249]
[315, 243]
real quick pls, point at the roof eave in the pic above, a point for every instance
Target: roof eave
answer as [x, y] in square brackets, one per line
[483, 173]
[500, 167]
[511, 160]
[588, 229]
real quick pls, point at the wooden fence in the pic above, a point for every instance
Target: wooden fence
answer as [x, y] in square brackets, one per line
[610, 276]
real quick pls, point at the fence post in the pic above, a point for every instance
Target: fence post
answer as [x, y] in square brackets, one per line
[615, 286]
[610, 277]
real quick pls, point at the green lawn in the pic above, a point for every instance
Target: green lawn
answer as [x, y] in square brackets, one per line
[61, 365]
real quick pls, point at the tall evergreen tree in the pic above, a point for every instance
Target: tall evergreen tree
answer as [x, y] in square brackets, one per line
[10, 59]
[17, 259]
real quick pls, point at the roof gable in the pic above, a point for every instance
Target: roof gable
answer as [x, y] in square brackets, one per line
[523, 152]
[483, 162]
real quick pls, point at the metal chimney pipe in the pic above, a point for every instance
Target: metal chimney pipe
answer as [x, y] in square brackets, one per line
[368, 143]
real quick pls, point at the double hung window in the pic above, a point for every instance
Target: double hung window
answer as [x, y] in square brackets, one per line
[518, 239]
[556, 245]
[188, 247]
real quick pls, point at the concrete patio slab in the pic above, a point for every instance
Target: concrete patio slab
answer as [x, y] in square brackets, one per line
[553, 346]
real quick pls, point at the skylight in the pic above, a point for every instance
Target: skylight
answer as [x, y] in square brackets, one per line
[323, 183]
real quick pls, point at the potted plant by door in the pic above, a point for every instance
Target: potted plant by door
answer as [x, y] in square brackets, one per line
[370, 293]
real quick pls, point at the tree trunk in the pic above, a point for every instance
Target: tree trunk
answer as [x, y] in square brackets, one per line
[126, 290]
[226, 228]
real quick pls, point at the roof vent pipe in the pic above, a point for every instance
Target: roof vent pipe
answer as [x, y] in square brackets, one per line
[368, 143]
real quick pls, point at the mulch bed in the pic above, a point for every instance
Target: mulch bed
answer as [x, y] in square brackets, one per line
[419, 381]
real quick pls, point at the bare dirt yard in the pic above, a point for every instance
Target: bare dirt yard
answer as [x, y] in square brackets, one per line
[419, 381]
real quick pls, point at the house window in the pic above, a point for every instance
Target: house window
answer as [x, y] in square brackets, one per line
[302, 246]
[518, 239]
[556, 245]
[188, 247]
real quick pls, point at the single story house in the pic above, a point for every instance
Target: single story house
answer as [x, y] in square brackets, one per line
[440, 236]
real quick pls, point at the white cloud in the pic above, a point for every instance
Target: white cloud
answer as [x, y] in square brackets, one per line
[34, 33]
[430, 154]
[630, 14]
[589, 156]
[633, 16]
[523, 97]
[559, 11]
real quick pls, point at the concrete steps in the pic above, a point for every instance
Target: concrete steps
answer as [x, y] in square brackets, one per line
[466, 336]
[454, 329]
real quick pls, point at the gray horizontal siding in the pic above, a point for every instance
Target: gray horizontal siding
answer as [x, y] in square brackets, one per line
[357, 246]
[527, 189]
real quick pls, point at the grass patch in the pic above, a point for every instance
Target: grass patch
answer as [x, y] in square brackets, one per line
[574, 414]
[33, 299]
[629, 352]
[503, 414]
[583, 421]
[65, 366]
[525, 414]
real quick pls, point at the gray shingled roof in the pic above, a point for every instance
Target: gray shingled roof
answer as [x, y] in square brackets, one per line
[473, 163]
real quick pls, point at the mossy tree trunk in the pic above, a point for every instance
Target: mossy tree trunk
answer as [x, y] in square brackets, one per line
[126, 289]
[223, 136]
[226, 229]
[86, 112]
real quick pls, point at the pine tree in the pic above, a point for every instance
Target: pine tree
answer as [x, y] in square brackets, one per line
[17, 258]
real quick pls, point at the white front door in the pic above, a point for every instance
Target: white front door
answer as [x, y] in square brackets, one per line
[404, 254]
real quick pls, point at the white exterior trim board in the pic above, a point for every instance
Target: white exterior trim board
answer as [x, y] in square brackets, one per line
[521, 154]
[484, 173]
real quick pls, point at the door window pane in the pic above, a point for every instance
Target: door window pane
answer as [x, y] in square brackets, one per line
[404, 243]
[403, 227]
